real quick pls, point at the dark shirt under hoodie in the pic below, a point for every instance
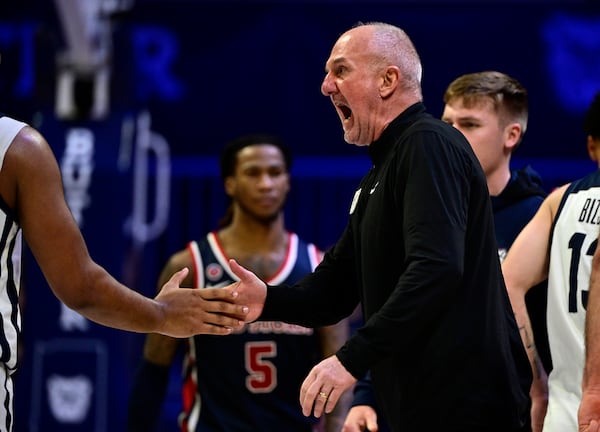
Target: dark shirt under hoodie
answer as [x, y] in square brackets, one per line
[514, 207]
[419, 252]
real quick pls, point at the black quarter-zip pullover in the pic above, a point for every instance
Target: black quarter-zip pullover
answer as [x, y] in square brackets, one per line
[419, 252]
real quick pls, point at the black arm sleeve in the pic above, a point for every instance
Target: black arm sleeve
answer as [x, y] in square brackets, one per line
[147, 395]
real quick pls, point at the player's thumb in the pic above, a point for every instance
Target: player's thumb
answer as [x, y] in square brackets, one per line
[178, 277]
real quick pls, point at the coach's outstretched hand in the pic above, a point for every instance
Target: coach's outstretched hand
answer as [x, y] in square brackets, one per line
[251, 291]
[188, 312]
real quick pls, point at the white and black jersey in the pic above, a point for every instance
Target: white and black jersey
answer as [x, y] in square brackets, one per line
[10, 274]
[574, 240]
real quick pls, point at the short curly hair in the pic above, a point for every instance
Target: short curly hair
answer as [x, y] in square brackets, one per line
[232, 148]
[229, 157]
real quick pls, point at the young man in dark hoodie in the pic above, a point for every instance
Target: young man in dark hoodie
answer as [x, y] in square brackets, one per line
[491, 109]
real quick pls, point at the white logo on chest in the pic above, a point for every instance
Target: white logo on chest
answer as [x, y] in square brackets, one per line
[354, 201]
[373, 188]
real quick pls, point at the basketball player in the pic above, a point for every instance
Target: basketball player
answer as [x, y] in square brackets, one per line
[589, 409]
[490, 109]
[32, 204]
[558, 244]
[250, 380]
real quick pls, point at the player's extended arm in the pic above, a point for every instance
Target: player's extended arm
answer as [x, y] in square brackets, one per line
[589, 409]
[84, 286]
[526, 265]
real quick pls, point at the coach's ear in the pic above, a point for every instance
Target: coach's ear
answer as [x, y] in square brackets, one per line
[389, 81]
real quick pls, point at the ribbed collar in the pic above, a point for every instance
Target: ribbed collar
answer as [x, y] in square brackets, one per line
[379, 148]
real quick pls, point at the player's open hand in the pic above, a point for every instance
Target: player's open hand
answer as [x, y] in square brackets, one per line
[188, 312]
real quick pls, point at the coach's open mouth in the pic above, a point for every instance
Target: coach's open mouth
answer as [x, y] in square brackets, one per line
[344, 110]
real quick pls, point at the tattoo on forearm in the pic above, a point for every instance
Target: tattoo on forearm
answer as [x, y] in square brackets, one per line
[528, 340]
[530, 346]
